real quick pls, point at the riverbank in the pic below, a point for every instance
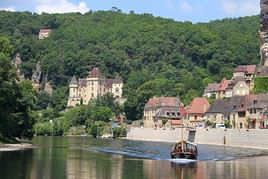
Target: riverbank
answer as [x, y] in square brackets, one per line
[15, 147]
[252, 138]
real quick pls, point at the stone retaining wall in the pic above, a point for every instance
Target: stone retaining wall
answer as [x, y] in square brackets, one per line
[253, 138]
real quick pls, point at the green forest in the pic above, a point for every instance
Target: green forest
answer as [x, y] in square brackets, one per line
[153, 55]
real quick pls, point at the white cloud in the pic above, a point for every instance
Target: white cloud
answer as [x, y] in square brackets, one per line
[7, 9]
[240, 7]
[186, 7]
[60, 6]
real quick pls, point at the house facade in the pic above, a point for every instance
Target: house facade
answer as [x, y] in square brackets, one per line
[242, 112]
[240, 89]
[158, 109]
[83, 90]
[243, 74]
[246, 71]
[196, 112]
[217, 89]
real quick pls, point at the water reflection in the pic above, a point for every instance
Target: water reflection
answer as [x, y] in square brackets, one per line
[78, 158]
[165, 169]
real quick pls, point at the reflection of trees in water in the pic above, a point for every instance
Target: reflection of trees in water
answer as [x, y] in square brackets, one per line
[16, 164]
[185, 171]
[164, 169]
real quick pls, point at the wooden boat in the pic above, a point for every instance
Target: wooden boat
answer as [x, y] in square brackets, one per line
[184, 150]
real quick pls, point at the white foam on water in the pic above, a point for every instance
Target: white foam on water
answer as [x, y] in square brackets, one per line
[182, 160]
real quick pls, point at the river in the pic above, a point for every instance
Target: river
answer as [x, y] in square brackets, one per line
[83, 157]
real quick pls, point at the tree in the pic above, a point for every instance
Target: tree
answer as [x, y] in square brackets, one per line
[14, 105]
[102, 113]
[43, 100]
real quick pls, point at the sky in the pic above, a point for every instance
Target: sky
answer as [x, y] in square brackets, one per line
[179, 10]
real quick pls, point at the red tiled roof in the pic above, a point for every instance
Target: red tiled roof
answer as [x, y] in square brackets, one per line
[183, 111]
[176, 122]
[163, 101]
[246, 68]
[198, 106]
[224, 84]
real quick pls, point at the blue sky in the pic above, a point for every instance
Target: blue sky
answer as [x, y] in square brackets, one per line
[180, 10]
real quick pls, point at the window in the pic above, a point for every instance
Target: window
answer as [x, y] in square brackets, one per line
[167, 113]
[73, 90]
[173, 113]
[117, 90]
[255, 111]
[241, 114]
[92, 88]
[250, 111]
[92, 83]
[92, 94]
[195, 117]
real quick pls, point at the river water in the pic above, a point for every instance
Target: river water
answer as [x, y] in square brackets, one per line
[83, 157]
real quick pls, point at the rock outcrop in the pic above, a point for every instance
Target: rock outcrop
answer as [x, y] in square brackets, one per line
[16, 61]
[36, 77]
[48, 86]
[264, 32]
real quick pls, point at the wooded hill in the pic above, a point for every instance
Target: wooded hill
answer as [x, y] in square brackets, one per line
[153, 55]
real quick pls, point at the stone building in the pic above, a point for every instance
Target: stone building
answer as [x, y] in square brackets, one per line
[163, 108]
[243, 112]
[83, 90]
[196, 112]
[243, 78]
[44, 33]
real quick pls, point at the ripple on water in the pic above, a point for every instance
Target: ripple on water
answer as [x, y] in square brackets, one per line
[160, 151]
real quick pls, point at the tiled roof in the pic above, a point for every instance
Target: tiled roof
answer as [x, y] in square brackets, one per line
[233, 82]
[163, 101]
[198, 106]
[169, 112]
[73, 81]
[246, 68]
[110, 82]
[95, 73]
[212, 87]
[224, 84]
[82, 82]
[260, 102]
[233, 104]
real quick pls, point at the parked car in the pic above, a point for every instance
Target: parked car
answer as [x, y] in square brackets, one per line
[220, 126]
[199, 126]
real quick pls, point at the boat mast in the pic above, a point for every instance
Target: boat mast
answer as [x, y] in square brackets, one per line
[182, 138]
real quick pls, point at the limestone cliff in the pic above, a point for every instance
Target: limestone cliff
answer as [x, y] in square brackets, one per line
[16, 61]
[263, 33]
[36, 77]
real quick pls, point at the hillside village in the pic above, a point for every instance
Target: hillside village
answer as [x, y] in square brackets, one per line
[234, 105]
